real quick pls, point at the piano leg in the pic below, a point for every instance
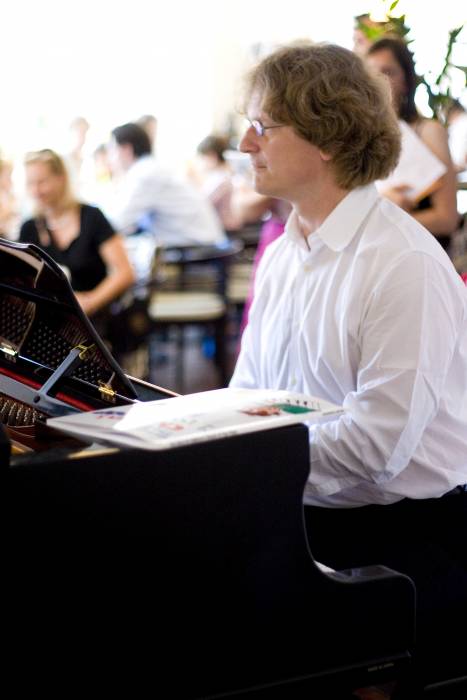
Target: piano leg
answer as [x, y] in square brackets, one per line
[422, 539]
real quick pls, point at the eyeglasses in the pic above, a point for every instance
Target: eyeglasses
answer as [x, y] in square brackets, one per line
[260, 128]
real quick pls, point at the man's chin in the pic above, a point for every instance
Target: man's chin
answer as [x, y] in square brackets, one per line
[261, 187]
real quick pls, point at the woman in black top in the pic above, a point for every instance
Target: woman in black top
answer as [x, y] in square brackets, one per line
[77, 236]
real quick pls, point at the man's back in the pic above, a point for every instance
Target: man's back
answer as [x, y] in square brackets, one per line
[149, 197]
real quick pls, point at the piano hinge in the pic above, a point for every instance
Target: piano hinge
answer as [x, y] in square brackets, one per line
[84, 349]
[9, 350]
[106, 391]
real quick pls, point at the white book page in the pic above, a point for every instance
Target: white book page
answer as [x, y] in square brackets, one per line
[418, 167]
[195, 418]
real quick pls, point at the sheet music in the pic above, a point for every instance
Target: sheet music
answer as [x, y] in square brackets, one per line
[418, 167]
[158, 425]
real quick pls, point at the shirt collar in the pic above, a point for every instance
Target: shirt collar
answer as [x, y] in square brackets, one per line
[338, 229]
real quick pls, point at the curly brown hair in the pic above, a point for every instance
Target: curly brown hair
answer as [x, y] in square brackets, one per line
[331, 100]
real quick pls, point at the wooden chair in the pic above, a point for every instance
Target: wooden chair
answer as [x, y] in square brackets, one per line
[189, 288]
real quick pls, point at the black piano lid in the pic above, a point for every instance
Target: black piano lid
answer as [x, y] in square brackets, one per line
[49, 350]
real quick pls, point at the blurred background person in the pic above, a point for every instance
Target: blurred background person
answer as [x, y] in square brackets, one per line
[438, 211]
[76, 235]
[150, 198]
[97, 188]
[368, 30]
[74, 158]
[361, 39]
[148, 122]
[456, 120]
[9, 208]
[214, 176]
[274, 214]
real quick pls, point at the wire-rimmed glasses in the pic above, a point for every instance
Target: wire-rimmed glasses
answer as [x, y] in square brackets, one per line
[259, 126]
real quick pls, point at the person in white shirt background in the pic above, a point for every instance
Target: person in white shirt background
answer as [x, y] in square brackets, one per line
[179, 213]
[149, 199]
[358, 304]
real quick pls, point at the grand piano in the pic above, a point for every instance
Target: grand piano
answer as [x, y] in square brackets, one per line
[185, 573]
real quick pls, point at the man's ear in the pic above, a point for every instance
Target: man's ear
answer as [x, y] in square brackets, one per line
[325, 156]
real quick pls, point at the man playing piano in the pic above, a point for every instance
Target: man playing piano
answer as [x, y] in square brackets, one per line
[357, 303]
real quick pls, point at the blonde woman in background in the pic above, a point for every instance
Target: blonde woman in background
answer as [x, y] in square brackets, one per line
[76, 235]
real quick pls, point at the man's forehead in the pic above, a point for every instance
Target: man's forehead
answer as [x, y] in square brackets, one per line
[255, 105]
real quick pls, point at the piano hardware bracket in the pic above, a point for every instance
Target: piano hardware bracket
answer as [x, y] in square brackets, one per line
[42, 398]
[106, 391]
[8, 349]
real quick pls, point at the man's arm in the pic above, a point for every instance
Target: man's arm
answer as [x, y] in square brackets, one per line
[408, 336]
[119, 278]
[247, 373]
[441, 217]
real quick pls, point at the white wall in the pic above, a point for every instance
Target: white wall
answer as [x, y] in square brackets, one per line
[112, 60]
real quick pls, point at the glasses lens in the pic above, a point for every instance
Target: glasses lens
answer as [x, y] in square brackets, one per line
[256, 125]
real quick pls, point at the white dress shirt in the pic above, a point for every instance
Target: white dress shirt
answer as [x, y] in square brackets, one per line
[369, 313]
[174, 210]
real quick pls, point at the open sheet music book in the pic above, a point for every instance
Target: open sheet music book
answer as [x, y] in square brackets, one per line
[159, 425]
[418, 167]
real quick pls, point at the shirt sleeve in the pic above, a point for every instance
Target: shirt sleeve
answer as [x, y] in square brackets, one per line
[28, 232]
[98, 226]
[409, 333]
[245, 375]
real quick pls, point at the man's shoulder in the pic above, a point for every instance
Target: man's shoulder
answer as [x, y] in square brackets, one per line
[395, 238]
[276, 257]
[145, 166]
[397, 228]
[280, 246]
[145, 174]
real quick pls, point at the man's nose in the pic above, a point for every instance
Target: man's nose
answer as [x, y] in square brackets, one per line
[248, 142]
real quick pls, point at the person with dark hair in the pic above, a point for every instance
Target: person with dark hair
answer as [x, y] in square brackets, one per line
[214, 145]
[149, 198]
[134, 136]
[438, 212]
[356, 303]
